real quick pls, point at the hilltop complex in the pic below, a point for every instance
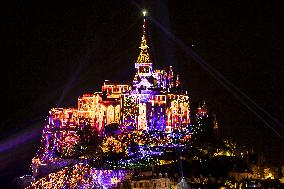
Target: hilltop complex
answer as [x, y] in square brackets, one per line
[124, 129]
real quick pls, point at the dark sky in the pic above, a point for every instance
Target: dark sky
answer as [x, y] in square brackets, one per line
[54, 53]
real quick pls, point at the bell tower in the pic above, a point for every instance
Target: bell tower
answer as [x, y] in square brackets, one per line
[143, 64]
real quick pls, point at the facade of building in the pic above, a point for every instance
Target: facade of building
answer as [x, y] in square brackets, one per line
[157, 183]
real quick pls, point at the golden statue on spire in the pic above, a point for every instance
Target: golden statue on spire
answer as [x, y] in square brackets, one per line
[144, 56]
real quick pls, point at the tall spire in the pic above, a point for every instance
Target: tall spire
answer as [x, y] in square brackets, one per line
[144, 56]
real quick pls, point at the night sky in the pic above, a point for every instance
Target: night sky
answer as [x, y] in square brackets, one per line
[54, 53]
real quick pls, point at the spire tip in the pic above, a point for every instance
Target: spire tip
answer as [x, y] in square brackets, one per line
[144, 12]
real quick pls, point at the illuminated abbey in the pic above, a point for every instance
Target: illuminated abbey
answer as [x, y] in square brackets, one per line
[154, 101]
[121, 128]
[145, 126]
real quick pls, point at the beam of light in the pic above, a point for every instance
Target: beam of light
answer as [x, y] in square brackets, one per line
[31, 132]
[19, 138]
[73, 79]
[224, 82]
[235, 91]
